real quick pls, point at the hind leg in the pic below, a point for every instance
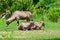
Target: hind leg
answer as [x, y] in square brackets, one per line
[28, 19]
[24, 29]
[31, 18]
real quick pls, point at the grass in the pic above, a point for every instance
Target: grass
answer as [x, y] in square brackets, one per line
[28, 39]
[50, 26]
[29, 35]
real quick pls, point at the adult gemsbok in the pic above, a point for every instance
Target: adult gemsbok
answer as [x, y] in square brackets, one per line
[20, 15]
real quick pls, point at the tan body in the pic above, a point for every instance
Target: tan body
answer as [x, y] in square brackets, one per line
[19, 15]
[26, 26]
[30, 25]
[38, 25]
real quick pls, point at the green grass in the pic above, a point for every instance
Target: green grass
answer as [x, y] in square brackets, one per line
[31, 35]
[27, 39]
[12, 26]
[28, 35]
[50, 26]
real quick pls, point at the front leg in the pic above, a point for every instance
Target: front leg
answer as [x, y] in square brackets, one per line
[28, 19]
[18, 22]
[17, 19]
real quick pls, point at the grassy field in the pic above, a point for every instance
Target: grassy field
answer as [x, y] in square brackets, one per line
[51, 31]
[29, 35]
[49, 26]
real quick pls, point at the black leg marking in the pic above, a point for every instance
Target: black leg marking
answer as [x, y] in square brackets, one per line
[18, 22]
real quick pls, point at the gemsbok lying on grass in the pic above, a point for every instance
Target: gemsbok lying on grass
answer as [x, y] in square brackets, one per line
[31, 25]
[20, 15]
[26, 26]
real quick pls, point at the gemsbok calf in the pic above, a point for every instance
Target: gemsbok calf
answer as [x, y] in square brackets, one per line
[38, 25]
